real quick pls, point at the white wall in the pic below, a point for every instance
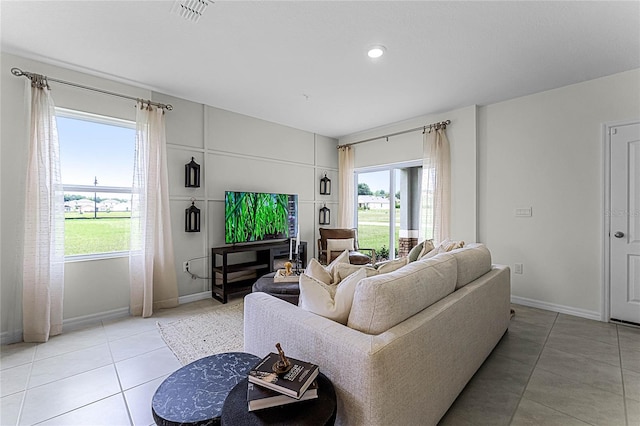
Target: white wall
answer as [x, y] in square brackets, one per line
[235, 152]
[408, 147]
[545, 151]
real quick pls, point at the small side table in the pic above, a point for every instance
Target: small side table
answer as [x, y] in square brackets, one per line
[194, 394]
[319, 411]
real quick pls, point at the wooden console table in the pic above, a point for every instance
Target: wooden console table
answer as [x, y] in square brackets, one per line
[265, 254]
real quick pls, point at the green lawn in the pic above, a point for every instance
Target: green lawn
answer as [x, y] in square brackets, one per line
[373, 228]
[85, 235]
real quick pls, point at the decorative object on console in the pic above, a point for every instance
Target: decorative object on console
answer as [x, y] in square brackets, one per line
[192, 174]
[280, 276]
[192, 218]
[325, 215]
[287, 268]
[325, 185]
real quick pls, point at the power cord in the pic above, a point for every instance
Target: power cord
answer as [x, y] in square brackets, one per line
[195, 276]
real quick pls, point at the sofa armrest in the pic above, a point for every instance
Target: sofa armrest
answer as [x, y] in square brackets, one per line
[343, 354]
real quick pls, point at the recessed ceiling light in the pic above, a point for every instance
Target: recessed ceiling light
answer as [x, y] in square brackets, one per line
[376, 51]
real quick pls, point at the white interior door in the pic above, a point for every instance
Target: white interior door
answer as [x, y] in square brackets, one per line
[624, 236]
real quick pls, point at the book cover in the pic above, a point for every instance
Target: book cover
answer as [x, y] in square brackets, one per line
[259, 397]
[293, 383]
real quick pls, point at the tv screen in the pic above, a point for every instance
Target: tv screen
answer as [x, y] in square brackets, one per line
[259, 216]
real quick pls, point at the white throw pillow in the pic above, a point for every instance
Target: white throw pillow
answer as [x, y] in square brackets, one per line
[392, 265]
[427, 247]
[315, 270]
[445, 246]
[339, 245]
[316, 297]
[345, 269]
[331, 268]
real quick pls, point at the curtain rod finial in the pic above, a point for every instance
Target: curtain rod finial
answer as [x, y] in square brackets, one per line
[17, 72]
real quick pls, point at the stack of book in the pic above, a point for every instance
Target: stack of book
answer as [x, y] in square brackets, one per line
[268, 389]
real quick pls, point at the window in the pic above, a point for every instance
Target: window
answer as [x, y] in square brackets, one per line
[388, 204]
[96, 157]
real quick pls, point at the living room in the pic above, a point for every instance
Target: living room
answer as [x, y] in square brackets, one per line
[542, 150]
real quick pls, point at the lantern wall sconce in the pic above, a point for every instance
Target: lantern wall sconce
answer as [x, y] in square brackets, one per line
[192, 218]
[192, 174]
[325, 216]
[325, 185]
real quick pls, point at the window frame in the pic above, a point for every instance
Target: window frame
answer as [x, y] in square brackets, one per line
[110, 121]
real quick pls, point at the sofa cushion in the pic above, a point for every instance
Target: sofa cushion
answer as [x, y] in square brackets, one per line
[315, 270]
[444, 247]
[316, 297]
[346, 269]
[382, 301]
[427, 248]
[415, 252]
[474, 260]
[332, 267]
[391, 265]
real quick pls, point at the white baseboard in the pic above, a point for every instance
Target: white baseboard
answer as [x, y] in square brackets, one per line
[87, 320]
[194, 297]
[583, 313]
[70, 324]
[75, 323]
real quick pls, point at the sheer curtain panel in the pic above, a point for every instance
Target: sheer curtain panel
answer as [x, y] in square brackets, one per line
[435, 200]
[43, 261]
[152, 273]
[347, 192]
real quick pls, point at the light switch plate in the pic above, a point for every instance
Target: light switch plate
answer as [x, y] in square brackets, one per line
[524, 212]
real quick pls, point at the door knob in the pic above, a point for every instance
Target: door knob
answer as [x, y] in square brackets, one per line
[619, 234]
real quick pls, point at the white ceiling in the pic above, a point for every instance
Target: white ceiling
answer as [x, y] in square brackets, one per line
[262, 58]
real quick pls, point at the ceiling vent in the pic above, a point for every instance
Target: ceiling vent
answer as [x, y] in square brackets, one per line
[191, 10]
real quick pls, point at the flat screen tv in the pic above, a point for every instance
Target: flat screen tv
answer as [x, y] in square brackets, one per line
[259, 216]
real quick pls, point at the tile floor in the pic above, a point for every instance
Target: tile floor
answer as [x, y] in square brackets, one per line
[549, 369]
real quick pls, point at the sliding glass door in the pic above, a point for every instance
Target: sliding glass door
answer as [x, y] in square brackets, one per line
[385, 209]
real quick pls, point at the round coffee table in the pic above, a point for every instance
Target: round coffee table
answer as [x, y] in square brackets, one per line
[194, 394]
[319, 411]
[289, 291]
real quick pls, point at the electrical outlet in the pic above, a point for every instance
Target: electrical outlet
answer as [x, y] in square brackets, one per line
[185, 266]
[518, 268]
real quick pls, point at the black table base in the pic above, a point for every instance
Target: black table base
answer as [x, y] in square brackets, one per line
[320, 411]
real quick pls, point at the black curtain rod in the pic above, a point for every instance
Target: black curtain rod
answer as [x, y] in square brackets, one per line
[19, 73]
[439, 125]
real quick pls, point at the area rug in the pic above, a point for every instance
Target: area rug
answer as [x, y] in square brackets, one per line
[214, 332]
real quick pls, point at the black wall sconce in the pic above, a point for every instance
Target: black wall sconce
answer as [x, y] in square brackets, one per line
[325, 185]
[192, 218]
[192, 174]
[325, 216]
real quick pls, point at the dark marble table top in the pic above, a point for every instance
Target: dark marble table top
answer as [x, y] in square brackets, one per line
[194, 394]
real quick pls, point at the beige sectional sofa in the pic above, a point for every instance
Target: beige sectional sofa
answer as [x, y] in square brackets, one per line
[414, 337]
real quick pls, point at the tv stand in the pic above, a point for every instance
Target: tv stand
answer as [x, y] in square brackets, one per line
[265, 254]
